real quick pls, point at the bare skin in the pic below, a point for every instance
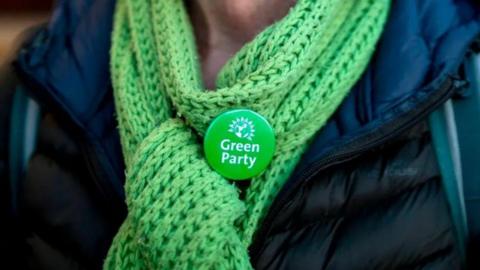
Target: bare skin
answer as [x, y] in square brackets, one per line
[222, 27]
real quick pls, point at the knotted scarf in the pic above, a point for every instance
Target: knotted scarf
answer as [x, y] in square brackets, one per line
[181, 213]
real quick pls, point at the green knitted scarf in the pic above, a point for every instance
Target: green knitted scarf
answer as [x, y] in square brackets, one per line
[182, 214]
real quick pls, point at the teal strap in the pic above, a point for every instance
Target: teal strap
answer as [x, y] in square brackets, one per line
[24, 120]
[445, 141]
[456, 135]
[467, 116]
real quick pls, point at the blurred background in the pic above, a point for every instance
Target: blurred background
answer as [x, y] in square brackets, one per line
[15, 17]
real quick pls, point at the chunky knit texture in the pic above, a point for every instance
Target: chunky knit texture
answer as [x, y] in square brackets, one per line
[182, 214]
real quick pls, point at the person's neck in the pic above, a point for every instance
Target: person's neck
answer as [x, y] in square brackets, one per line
[222, 27]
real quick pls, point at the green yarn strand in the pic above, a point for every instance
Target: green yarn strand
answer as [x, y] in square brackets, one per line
[182, 214]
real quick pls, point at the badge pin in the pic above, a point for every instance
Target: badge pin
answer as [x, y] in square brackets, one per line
[239, 144]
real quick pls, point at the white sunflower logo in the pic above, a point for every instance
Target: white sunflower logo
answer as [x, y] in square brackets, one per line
[242, 128]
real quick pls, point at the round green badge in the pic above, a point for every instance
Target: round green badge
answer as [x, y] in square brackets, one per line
[239, 144]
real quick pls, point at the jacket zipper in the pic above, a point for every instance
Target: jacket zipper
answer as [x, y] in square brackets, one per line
[336, 157]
